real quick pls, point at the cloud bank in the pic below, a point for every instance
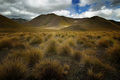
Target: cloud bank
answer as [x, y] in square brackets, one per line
[29, 9]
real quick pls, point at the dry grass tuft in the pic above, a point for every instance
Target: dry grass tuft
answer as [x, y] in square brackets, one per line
[37, 40]
[52, 48]
[105, 42]
[14, 69]
[97, 64]
[94, 76]
[71, 42]
[48, 70]
[33, 56]
[77, 55]
[8, 43]
[113, 53]
[65, 50]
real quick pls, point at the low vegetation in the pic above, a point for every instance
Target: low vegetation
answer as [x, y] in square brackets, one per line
[62, 55]
[48, 70]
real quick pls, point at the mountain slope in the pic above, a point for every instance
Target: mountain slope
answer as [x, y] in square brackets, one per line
[50, 20]
[94, 23]
[115, 22]
[6, 22]
[20, 20]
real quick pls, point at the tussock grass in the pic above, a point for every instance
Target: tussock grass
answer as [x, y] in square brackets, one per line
[89, 52]
[37, 40]
[28, 38]
[105, 42]
[71, 42]
[97, 64]
[113, 53]
[94, 76]
[52, 47]
[48, 70]
[65, 50]
[15, 54]
[8, 43]
[14, 69]
[81, 39]
[89, 55]
[77, 55]
[33, 56]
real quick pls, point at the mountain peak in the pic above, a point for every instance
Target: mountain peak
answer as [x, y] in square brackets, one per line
[96, 17]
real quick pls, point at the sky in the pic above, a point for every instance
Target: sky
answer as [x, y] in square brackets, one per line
[29, 9]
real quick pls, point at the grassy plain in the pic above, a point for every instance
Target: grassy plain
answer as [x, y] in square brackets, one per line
[59, 55]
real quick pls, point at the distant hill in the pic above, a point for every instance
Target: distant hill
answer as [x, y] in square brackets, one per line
[115, 22]
[65, 23]
[20, 20]
[50, 20]
[6, 22]
[94, 23]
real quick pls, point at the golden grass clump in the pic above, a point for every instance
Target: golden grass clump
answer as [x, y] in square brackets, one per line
[105, 42]
[37, 40]
[8, 43]
[52, 48]
[113, 53]
[97, 64]
[71, 42]
[77, 55]
[15, 54]
[13, 69]
[28, 38]
[65, 50]
[48, 36]
[48, 70]
[89, 52]
[81, 39]
[33, 56]
[94, 76]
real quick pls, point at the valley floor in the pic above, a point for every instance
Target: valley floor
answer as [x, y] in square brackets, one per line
[62, 55]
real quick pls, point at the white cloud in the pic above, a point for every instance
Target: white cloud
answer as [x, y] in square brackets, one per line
[45, 6]
[88, 2]
[6, 13]
[31, 8]
[62, 12]
[105, 13]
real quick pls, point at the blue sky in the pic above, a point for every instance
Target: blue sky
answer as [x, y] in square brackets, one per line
[29, 9]
[77, 8]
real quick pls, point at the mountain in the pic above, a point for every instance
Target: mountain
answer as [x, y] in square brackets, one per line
[6, 22]
[50, 20]
[115, 22]
[20, 20]
[94, 23]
